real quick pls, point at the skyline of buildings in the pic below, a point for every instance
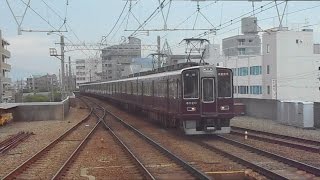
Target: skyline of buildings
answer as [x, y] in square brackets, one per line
[264, 68]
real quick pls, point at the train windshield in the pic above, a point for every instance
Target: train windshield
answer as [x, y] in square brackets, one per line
[208, 90]
[191, 84]
[224, 84]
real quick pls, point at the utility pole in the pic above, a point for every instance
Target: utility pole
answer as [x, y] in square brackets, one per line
[60, 82]
[67, 83]
[159, 61]
[62, 67]
[70, 75]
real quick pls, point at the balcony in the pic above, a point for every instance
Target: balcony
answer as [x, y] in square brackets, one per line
[6, 80]
[5, 66]
[5, 52]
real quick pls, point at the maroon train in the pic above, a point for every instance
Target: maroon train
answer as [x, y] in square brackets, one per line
[198, 99]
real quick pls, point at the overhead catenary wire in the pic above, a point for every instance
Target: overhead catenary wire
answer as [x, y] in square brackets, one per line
[24, 13]
[150, 16]
[288, 13]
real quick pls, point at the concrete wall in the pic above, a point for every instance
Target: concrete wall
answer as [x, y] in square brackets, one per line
[267, 108]
[260, 108]
[316, 112]
[41, 111]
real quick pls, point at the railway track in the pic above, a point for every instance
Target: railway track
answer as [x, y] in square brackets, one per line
[295, 142]
[268, 164]
[101, 126]
[47, 161]
[214, 165]
[157, 160]
[13, 141]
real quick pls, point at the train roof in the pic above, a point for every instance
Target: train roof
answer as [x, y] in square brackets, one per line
[170, 73]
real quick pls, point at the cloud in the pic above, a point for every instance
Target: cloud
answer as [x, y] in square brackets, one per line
[31, 53]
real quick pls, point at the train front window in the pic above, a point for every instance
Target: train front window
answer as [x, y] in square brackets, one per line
[191, 84]
[224, 84]
[208, 90]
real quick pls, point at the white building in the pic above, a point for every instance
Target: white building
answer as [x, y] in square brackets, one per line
[87, 70]
[5, 82]
[288, 69]
[291, 69]
[116, 58]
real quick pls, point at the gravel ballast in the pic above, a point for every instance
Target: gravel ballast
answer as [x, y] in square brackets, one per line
[274, 127]
[44, 133]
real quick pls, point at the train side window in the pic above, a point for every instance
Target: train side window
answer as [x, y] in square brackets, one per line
[153, 88]
[224, 84]
[191, 84]
[178, 89]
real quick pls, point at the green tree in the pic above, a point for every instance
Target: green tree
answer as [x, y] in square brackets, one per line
[36, 98]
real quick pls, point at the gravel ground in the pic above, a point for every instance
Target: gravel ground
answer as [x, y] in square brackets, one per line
[296, 154]
[109, 160]
[268, 163]
[274, 127]
[50, 162]
[45, 132]
[203, 159]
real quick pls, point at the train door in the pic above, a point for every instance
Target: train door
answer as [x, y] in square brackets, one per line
[208, 96]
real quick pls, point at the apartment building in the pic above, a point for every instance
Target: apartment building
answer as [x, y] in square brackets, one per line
[45, 83]
[87, 70]
[116, 58]
[5, 81]
[287, 69]
[247, 43]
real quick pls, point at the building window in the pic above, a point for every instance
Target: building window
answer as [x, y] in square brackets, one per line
[255, 89]
[243, 89]
[268, 89]
[241, 41]
[243, 71]
[255, 70]
[268, 48]
[241, 51]
[268, 69]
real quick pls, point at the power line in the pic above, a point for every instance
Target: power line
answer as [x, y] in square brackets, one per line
[149, 18]
[124, 7]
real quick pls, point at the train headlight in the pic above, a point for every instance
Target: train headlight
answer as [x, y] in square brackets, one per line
[191, 109]
[224, 108]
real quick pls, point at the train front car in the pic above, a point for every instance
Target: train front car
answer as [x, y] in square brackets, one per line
[207, 102]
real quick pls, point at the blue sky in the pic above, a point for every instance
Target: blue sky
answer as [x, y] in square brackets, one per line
[90, 20]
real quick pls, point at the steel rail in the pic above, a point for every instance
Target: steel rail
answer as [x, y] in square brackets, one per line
[254, 167]
[36, 156]
[198, 174]
[142, 167]
[74, 153]
[6, 141]
[124, 146]
[65, 165]
[301, 146]
[303, 140]
[15, 142]
[291, 162]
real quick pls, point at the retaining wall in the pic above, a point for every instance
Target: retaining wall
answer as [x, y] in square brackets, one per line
[41, 111]
[267, 109]
[260, 108]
